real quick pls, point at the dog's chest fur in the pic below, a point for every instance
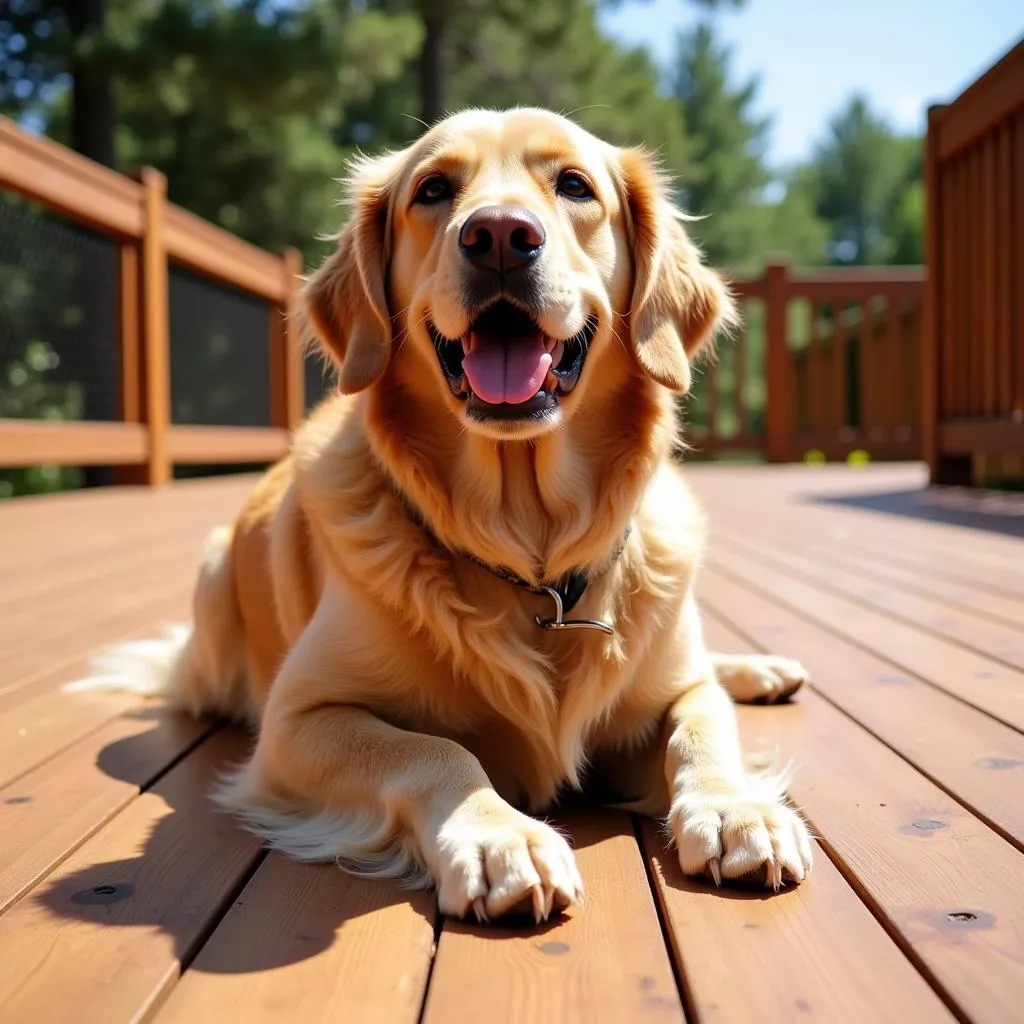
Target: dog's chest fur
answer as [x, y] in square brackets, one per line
[456, 650]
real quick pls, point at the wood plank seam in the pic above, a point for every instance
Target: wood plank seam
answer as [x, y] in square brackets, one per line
[74, 632]
[857, 642]
[189, 955]
[686, 995]
[439, 920]
[941, 737]
[872, 565]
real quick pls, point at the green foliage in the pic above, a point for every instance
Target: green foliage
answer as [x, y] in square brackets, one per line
[727, 180]
[864, 180]
[34, 50]
[236, 102]
[251, 107]
[28, 390]
[727, 175]
[521, 52]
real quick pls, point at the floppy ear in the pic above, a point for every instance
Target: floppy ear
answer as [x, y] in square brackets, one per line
[678, 302]
[346, 304]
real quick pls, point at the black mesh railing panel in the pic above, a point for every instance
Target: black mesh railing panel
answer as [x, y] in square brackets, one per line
[59, 342]
[319, 378]
[220, 353]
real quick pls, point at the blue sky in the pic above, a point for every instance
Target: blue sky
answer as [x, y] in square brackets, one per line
[810, 56]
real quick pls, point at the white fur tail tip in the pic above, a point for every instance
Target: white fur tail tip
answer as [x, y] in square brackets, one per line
[145, 667]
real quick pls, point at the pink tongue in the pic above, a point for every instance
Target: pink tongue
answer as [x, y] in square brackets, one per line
[506, 371]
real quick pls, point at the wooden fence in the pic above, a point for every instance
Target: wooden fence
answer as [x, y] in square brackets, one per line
[825, 365]
[152, 238]
[973, 365]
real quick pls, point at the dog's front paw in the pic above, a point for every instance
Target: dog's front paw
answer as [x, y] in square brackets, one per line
[757, 678]
[729, 833]
[493, 860]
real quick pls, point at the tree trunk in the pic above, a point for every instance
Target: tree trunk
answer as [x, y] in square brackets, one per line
[93, 124]
[432, 64]
[93, 118]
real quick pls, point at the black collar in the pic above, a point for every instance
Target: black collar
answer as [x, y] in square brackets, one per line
[570, 588]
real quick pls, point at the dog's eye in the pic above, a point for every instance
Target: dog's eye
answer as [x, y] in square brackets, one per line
[574, 186]
[435, 189]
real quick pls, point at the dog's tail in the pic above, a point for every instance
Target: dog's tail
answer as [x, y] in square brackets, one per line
[153, 667]
[198, 668]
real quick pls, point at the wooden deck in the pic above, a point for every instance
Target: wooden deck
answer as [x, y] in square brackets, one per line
[124, 896]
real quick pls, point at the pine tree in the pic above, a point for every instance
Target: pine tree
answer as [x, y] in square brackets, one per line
[237, 102]
[862, 178]
[728, 174]
[548, 53]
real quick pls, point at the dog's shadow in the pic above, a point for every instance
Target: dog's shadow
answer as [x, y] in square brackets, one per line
[171, 861]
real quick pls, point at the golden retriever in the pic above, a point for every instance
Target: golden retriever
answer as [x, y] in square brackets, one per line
[471, 583]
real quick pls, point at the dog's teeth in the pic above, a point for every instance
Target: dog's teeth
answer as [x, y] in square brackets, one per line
[556, 352]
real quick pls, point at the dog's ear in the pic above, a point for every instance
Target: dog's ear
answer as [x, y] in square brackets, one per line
[678, 302]
[346, 305]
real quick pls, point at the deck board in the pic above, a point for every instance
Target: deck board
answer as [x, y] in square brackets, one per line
[909, 764]
[933, 576]
[751, 957]
[603, 961]
[916, 855]
[303, 942]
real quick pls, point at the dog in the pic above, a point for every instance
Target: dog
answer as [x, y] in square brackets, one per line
[470, 586]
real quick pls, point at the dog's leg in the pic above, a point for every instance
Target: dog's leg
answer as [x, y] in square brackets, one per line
[758, 678]
[331, 780]
[726, 822]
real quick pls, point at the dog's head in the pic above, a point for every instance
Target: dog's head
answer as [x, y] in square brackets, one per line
[505, 266]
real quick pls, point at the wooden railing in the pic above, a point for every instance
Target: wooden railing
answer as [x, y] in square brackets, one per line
[973, 414]
[825, 365]
[151, 236]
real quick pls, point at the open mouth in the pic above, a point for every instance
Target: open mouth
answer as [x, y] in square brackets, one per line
[506, 367]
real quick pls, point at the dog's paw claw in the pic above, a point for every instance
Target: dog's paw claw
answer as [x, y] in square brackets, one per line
[515, 865]
[715, 870]
[728, 837]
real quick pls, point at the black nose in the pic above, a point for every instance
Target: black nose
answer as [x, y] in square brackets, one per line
[501, 237]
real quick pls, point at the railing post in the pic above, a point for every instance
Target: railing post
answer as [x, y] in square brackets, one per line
[929, 359]
[129, 330]
[129, 323]
[778, 402]
[287, 378]
[156, 363]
